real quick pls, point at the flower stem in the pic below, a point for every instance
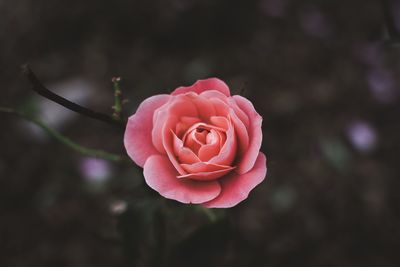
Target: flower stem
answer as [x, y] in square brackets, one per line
[117, 98]
[39, 88]
[64, 140]
[209, 213]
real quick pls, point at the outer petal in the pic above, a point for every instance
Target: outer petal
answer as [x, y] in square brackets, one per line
[240, 113]
[204, 85]
[137, 138]
[161, 176]
[215, 94]
[255, 135]
[236, 187]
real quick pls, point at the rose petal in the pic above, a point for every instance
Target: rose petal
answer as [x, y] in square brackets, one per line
[161, 176]
[239, 112]
[228, 151]
[204, 85]
[201, 137]
[212, 137]
[215, 94]
[204, 107]
[241, 132]
[202, 126]
[137, 138]
[212, 147]
[223, 123]
[184, 124]
[191, 142]
[189, 120]
[220, 122]
[221, 107]
[184, 154]
[206, 176]
[236, 187]
[168, 144]
[254, 132]
[222, 139]
[169, 116]
[204, 167]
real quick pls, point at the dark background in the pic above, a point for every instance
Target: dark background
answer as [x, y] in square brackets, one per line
[323, 74]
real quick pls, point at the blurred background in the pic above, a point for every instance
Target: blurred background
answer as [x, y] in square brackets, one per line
[323, 74]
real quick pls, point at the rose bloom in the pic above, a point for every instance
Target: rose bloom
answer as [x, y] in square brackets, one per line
[198, 145]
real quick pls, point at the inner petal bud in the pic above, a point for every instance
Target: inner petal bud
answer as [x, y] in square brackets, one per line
[196, 139]
[205, 140]
[201, 135]
[212, 146]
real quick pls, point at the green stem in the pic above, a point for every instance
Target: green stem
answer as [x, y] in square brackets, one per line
[117, 98]
[209, 213]
[64, 140]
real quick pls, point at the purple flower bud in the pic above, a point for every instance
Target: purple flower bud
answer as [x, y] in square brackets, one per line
[95, 170]
[362, 136]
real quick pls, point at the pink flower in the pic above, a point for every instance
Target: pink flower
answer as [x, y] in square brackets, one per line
[198, 145]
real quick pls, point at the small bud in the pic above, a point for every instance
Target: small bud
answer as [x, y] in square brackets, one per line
[118, 207]
[115, 79]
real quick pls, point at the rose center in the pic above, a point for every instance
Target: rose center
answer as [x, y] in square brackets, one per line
[201, 137]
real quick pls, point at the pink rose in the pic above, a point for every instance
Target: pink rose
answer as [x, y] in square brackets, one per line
[198, 145]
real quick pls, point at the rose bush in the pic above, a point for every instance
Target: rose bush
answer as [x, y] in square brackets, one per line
[198, 145]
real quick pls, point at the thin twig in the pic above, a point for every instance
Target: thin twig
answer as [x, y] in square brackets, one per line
[66, 141]
[117, 98]
[39, 88]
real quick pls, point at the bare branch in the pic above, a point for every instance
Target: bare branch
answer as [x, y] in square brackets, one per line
[39, 88]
